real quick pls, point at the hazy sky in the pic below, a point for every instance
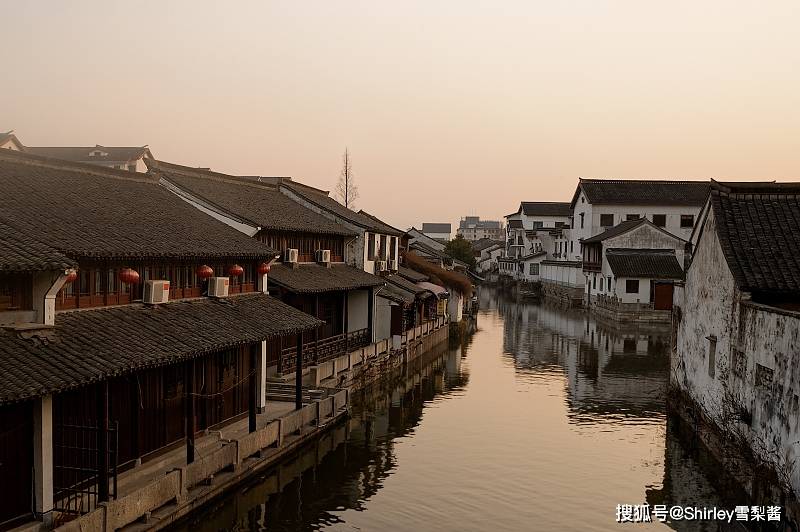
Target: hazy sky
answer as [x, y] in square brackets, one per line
[448, 107]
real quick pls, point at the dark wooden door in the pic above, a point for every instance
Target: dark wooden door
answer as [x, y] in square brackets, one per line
[397, 319]
[16, 460]
[663, 296]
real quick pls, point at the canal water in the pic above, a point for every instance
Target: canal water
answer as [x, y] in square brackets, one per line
[544, 419]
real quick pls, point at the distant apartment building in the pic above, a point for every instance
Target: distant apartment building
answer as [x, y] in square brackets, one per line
[472, 228]
[437, 231]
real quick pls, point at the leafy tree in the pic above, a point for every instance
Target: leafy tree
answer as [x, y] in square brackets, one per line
[461, 249]
[346, 189]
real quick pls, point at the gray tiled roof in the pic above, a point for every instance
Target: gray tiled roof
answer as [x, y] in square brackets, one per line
[643, 192]
[83, 210]
[405, 284]
[412, 275]
[622, 227]
[437, 228]
[260, 204]
[116, 154]
[546, 208]
[19, 252]
[759, 230]
[317, 278]
[91, 345]
[644, 263]
[322, 200]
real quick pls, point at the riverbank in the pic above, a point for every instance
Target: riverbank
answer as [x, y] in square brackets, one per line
[166, 489]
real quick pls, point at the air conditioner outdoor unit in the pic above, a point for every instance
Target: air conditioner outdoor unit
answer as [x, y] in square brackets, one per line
[218, 286]
[393, 264]
[292, 255]
[323, 255]
[380, 266]
[156, 292]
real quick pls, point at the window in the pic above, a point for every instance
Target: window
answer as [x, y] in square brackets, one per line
[630, 217]
[632, 286]
[571, 247]
[712, 356]
[534, 269]
[660, 220]
[538, 225]
[764, 376]
[606, 220]
[608, 283]
[131, 167]
[581, 220]
[382, 250]
[601, 284]
[594, 282]
[370, 246]
[687, 220]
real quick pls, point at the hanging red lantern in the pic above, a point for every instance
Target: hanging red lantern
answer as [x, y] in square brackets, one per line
[129, 276]
[72, 276]
[263, 268]
[235, 271]
[204, 272]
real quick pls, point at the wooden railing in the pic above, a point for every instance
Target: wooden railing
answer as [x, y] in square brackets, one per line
[324, 349]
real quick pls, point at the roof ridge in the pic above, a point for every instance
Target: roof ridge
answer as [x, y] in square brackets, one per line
[71, 166]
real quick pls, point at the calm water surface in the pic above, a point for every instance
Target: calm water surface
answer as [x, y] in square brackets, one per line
[544, 420]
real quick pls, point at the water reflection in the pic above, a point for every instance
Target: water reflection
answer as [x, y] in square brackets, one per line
[545, 419]
[614, 373]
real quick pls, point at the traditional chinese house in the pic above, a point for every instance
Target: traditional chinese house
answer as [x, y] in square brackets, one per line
[312, 272]
[129, 321]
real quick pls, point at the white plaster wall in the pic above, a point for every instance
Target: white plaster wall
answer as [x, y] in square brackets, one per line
[455, 306]
[711, 305]
[383, 318]
[357, 310]
[570, 276]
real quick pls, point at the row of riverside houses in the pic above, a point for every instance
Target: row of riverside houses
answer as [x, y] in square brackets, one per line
[617, 248]
[148, 314]
[729, 256]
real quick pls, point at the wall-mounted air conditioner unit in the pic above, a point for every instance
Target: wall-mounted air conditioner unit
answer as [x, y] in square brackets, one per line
[393, 265]
[323, 255]
[292, 255]
[218, 286]
[380, 265]
[156, 292]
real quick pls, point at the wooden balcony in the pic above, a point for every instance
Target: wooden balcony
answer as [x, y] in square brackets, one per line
[322, 350]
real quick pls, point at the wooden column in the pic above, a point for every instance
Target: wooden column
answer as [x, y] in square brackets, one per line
[190, 429]
[252, 406]
[345, 325]
[316, 331]
[298, 374]
[370, 311]
[103, 462]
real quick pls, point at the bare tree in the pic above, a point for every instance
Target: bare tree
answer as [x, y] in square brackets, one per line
[346, 189]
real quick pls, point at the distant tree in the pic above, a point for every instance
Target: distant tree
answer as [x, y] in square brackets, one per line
[346, 189]
[461, 249]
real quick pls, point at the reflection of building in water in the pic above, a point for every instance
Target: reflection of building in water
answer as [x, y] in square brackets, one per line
[610, 370]
[692, 478]
[349, 465]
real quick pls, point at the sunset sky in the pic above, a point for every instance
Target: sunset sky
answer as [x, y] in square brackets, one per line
[448, 107]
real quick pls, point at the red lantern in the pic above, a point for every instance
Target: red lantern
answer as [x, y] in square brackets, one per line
[72, 276]
[263, 268]
[235, 271]
[204, 272]
[129, 276]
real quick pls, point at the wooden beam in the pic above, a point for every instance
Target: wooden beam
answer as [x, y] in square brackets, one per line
[252, 407]
[103, 461]
[190, 429]
[298, 374]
